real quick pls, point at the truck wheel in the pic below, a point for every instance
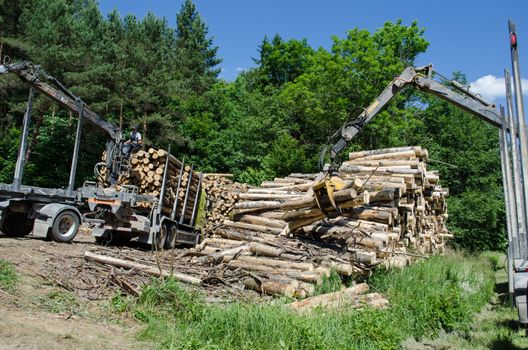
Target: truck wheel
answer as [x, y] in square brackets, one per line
[17, 225]
[65, 226]
[170, 242]
[161, 237]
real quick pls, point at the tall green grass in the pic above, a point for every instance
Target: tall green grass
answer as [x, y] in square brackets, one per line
[438, 293]
[8, 276]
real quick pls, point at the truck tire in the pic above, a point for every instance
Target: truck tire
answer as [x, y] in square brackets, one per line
[170, 242]
[161, 237]
[65, 226]
[17, 225]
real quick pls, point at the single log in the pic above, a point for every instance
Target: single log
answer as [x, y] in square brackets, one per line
[384, 162]
[209, 259]
[324, 299]
[271, 287]
[294, 225]
[381, 196]
[282, 264]
[258, 205]
[359, 169]
[89, 256]
[252, 227]
[362, 154]
[392, 155]
[302, 202]
[259, 220]
[266, 196]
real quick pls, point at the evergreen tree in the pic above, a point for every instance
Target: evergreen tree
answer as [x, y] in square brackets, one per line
[195, 54]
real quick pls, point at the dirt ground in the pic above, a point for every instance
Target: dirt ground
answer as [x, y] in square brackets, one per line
[46, 312]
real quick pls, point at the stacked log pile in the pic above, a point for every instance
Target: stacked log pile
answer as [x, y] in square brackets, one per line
[147, 169]
[418, 201]
[221, 193]
[390, 210]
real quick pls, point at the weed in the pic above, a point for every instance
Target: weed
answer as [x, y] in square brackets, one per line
[58, 301]
[329, 284]
[8, 276]
[120, 304]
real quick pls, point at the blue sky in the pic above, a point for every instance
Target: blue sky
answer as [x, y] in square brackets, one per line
[466, 35]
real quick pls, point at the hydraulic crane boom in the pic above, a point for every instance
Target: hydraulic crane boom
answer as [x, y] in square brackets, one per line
[34, 76]
[421, 78]
[38, 80]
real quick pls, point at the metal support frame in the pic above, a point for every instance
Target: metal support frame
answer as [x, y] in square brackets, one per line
[21, 160]
[523, 141]
[175, 206]
[509, 199]
[196, 200]
[75, 157]
[182, 217]
[518, 199]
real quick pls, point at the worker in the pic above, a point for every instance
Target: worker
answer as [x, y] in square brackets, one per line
[134, 142]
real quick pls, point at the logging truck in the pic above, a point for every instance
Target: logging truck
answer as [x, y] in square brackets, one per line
[112, 210]
[513, 145]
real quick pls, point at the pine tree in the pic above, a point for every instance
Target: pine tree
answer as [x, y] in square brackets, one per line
[195, 54]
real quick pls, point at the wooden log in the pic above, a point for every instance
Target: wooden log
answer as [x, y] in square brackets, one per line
[383, 162]
[324, 299]
[265, 250]
[359, 169]
[89, 256]
[382, 196]
[259, 220]
[266, 196]
[282, 264]
[381, 151]
[252, 227]
[209, 259]
[294, 225]
[391, 155]
[258, 205]
[271, 287]
[302, 202]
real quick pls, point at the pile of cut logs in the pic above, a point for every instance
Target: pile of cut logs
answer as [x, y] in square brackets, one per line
[147, 169]
[221, 193]
[389, 211]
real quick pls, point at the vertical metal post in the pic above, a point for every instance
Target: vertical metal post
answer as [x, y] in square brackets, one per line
[21, 160]
[75, 157]
[523, 141]
[506, 184]
[517, 185]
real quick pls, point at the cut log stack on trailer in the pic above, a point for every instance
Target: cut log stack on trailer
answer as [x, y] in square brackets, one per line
[147, 169]
[391, 210]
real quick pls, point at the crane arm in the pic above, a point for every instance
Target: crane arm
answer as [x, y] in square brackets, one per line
[422, 79]
[33, 75]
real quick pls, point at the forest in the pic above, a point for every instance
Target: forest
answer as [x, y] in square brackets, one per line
[273, 119]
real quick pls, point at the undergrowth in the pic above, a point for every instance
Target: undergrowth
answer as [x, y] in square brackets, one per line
[59, 301]
[440, 293]
[8, 276]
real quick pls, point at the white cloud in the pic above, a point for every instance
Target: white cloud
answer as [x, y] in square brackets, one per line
[491, 87]
[241, 69]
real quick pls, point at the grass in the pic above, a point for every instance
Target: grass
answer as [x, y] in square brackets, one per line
[495, 326]
[60, 301]
[8, 276]
[440, 293]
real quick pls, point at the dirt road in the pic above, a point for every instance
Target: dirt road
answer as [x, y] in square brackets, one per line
[44, 312]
